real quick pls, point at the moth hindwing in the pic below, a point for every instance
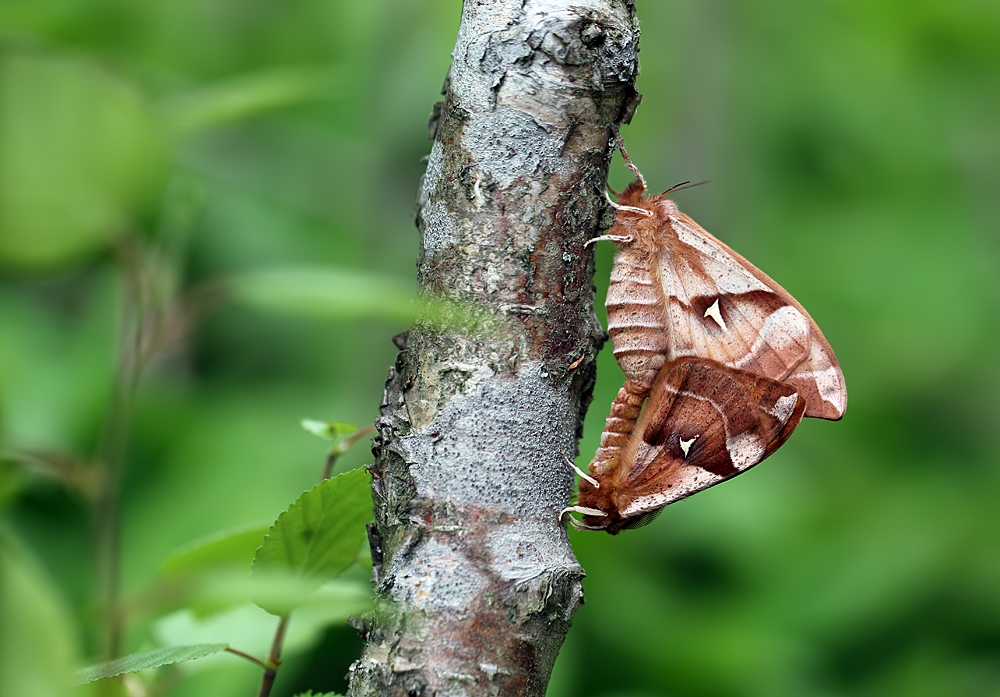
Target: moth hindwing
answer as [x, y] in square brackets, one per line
[703, 423]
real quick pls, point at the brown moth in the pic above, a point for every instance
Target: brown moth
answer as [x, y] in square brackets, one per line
[704, 423]
[676, 292]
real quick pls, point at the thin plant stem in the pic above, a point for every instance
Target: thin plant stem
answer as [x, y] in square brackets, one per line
[111, 453]
[249, 657]
[274, 658]
[343, 447]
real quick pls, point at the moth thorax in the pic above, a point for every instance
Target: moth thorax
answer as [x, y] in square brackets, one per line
[636, 326]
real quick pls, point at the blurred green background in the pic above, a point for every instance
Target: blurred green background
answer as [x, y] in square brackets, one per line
[150, 149]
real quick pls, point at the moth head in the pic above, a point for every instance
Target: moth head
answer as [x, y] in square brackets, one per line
[605, 508]
[605, 500]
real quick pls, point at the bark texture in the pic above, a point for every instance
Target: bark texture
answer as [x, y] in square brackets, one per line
[476, 580]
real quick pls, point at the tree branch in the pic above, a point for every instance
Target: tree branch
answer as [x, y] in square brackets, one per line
[476, 581]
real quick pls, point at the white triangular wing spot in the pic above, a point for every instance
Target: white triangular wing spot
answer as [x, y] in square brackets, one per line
[714, 313]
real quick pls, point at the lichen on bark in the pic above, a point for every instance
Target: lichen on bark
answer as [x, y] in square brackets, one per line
[476, 582]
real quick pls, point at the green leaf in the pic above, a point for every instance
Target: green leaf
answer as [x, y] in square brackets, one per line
[251, 629]
[37, 650]
[338, 293]
[235, 546]
[79, 155]
[326, 292]
[248, 96]
[329, 430]
[145, 660]
[12, 480]
[317, 537]
[343, 435]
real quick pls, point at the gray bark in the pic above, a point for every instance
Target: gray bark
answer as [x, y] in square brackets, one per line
[476, 582]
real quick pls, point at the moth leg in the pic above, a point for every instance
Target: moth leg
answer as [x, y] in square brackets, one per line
[582, 510]
[627, 209]
[577, 525]
[628, 160]
[617, 239]
[583, 475]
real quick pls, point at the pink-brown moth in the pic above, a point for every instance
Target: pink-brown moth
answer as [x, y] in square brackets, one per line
[703, 423]
[685, 309]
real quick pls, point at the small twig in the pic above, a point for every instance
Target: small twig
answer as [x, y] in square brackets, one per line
[274, 658]
[110, 458]
[343, 447]
[252, 659]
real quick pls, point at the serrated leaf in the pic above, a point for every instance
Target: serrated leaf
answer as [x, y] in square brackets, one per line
[251, 629]
[235, 546]
[145, 660]
[317, 537]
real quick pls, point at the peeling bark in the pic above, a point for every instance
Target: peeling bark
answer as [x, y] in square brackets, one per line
[476, 580]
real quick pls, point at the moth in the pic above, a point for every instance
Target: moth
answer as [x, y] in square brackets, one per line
[703, 423]
[678, 292]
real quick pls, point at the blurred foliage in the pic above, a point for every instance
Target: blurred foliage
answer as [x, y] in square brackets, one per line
[150, 152]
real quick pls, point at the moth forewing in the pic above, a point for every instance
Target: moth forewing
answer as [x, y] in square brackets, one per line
[677, 291]
[787, 331]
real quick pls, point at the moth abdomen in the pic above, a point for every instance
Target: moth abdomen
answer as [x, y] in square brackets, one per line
[625, 409]
[636, 319]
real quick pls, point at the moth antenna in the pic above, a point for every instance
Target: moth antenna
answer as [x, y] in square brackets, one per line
[613, 191]
[627, 209]
[628, 161]
[684, 185]
[583, 475]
